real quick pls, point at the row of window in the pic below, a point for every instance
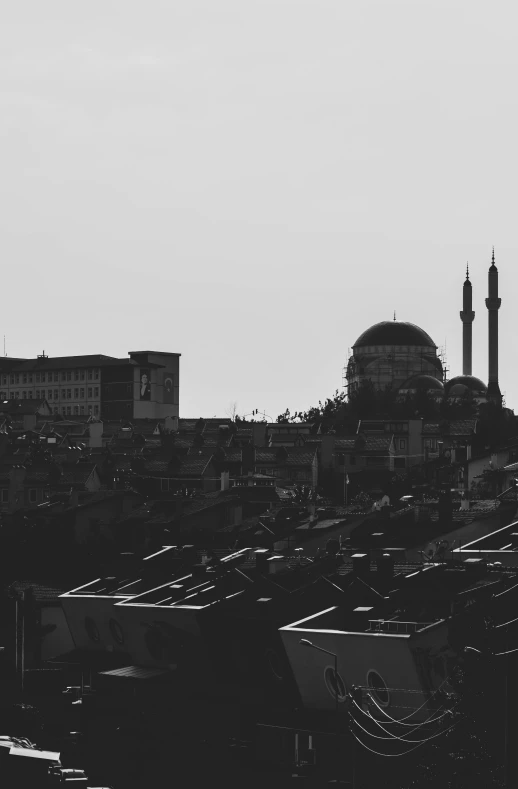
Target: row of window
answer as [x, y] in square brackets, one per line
[76, 410]
[53, 394]
[52, 377]
[33, 495]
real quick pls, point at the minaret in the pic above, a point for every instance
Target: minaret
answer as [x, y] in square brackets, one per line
[493, 305]
[467, 317]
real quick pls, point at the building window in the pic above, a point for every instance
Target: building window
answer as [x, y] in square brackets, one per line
[24, 395]
[37, 378]
[24, 380]
[76, 409]
[92, 629]
[49, 394]
[116, 631]
[69, 394]
[30, 378]
[96, 391]
[378, 688]
[56, 377]
[69, 410]
[96, 410]
[82, 374]
[43, 378]
[89, 375]
[17, 378]
[69, 375]
[56, 394]
[82, 394]
[4, 380]
[76, 375]
[33, 495]
[89, 409]
[37, 394]
[81, 409]
[335, 684]
[96, 375]
[76, 394]
[29, 395]
[402, 443]
[11, 379]
[89, 391]
[2, 396]
[17, 395]
[56, 409]
[11, 396]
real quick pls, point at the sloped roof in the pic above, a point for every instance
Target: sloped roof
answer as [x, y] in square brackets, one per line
[462, 427]
[345, 444]
[376, 443]
[432, 428]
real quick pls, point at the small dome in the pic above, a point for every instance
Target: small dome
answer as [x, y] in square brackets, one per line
[394, 333]
[423, 382]
[470, 382]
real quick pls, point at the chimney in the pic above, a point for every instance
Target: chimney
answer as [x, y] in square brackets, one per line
[225, 480]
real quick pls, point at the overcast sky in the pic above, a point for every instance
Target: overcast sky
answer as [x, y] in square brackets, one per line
[253, 183]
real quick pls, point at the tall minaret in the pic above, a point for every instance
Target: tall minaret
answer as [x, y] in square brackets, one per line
[467, 317]
[493, 305]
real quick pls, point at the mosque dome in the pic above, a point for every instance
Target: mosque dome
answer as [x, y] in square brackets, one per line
[461, 384]
[394, 333]
[423, 383]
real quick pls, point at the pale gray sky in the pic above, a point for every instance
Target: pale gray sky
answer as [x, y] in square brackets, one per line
[252, 183]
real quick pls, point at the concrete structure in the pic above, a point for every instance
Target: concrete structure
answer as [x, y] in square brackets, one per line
[467, 317]
[144, 386]
[493, 305]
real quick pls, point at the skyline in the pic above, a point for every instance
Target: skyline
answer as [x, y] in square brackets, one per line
[254, 185]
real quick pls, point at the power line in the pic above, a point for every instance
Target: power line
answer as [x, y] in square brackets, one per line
[377, 753]
[431, 719]
[395, 736]
[435, 692]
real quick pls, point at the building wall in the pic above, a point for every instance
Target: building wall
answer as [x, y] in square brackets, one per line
[71, 392]
[164, 397]
[389, 656]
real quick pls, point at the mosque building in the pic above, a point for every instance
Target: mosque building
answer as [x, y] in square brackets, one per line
[404, 356]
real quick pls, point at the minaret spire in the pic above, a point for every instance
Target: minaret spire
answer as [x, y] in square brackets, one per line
[493, 303]
[467, 317]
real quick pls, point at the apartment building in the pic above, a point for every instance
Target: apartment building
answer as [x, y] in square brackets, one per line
[144, 385]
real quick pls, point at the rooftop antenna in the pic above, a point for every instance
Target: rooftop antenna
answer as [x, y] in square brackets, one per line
[394, 314]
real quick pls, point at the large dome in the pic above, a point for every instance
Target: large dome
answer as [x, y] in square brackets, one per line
[394, 333]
